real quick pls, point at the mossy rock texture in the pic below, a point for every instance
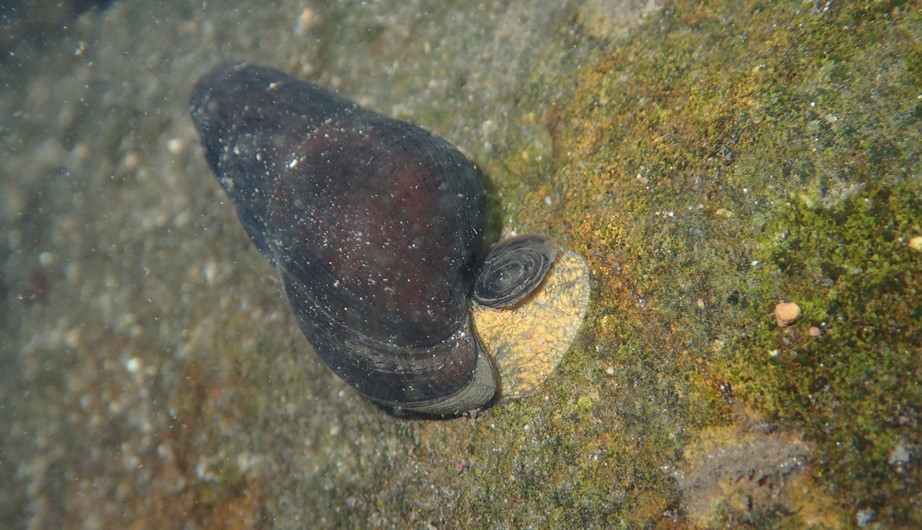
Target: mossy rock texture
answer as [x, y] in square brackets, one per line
[709, 160]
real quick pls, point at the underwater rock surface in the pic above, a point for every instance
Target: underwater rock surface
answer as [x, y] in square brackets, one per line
[723, 158]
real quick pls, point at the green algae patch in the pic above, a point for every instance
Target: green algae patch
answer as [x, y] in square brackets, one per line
[726, 158]
[853, 382]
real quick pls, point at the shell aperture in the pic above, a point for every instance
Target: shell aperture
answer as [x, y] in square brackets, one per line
[373, 225]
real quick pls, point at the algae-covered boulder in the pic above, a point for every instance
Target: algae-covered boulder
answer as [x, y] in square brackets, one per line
[710, 161]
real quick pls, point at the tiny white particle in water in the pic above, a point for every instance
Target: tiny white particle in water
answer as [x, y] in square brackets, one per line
[174, 145]
[865, 517]
[211, 271]
[133, 365]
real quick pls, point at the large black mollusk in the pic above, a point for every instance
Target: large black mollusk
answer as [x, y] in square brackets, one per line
[372, 223]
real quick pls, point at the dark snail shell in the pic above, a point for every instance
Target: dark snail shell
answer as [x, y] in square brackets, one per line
[371, 223]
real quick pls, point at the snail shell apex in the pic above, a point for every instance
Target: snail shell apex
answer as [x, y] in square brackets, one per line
[513, 269]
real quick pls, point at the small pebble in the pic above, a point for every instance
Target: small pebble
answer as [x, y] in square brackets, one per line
[786, 313]
[915, 243]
